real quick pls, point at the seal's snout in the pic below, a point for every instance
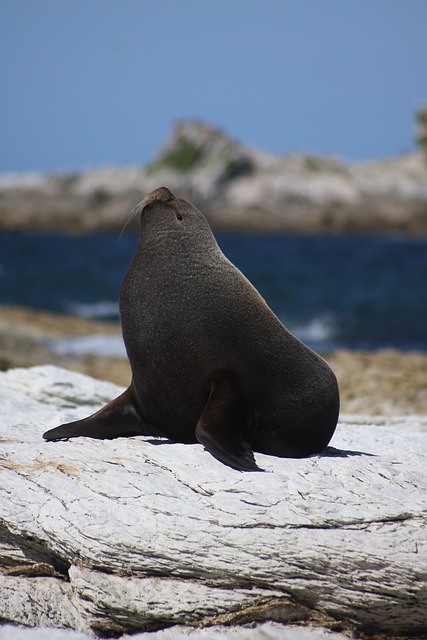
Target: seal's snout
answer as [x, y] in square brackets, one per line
[162, 194]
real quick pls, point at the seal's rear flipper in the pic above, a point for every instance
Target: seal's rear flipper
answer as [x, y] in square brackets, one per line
[218, 427]
[118, 418]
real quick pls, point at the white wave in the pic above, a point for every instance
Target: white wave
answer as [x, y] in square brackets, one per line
[317, 332]
[101, 309]
[111, 346]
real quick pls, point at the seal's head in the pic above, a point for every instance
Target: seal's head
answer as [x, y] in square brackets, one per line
[161, 212]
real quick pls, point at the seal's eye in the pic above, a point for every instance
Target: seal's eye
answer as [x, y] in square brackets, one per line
[178, 216]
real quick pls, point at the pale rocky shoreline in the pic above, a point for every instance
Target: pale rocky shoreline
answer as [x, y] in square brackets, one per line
[237, 187]
[113, 537]
[386, 382]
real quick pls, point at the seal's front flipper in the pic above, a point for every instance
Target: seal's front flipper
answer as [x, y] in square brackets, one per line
[118, 418]
[218, 429]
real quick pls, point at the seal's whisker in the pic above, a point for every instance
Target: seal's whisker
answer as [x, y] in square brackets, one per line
[133, 214]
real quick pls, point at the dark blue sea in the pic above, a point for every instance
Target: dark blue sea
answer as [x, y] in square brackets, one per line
[332, 292]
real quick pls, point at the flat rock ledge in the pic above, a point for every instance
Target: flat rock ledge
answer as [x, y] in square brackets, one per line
[134, 535]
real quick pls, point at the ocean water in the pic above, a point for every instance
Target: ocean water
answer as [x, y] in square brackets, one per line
[332, 292]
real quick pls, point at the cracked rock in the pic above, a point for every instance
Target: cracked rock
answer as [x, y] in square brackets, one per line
[122, 536]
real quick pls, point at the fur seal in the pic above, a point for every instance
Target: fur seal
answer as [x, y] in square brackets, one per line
[210, 361]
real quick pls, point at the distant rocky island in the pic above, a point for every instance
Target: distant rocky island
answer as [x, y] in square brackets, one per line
[237, 187]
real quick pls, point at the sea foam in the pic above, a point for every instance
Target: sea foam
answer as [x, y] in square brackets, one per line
[101, 309]
[111, 346]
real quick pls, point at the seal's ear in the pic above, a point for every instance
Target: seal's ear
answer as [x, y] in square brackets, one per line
[219, 426]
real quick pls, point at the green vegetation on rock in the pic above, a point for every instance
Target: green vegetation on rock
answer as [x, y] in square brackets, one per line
[421, 130]
[182, 157]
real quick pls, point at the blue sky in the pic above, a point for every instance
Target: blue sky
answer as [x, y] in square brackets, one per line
[88, 83]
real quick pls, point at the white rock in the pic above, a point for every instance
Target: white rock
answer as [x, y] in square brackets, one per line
[152, 535]
[265, 631]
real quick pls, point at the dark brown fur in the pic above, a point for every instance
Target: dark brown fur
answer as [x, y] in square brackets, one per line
[210, 361]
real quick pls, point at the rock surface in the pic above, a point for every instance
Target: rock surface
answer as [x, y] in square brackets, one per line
[262, 631]
[140, 534]
[237, 188]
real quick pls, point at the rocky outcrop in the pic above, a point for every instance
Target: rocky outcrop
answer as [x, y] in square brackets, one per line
[119, 536]
[237, 187]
